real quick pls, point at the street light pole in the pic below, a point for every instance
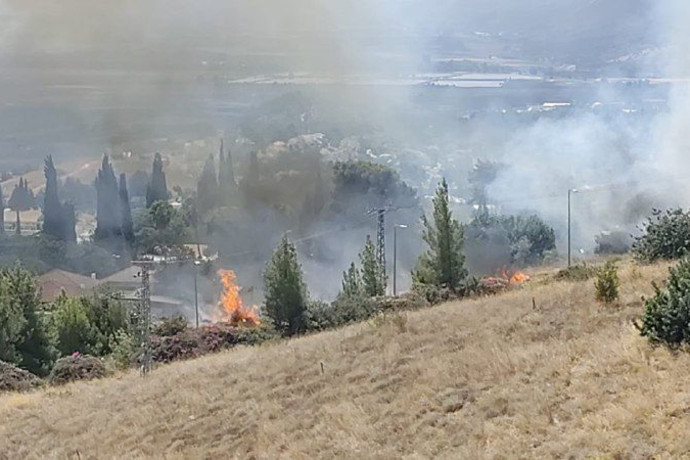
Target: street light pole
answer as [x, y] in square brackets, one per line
[570, 192]
[196, 293]
[395, 257]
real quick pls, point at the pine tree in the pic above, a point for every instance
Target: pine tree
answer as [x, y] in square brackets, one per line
[108, 217]
[443, 264]
[22, 199]
[373, 277]
[352, 283]
[285, 292]
[126, 211]
[207, 187]
[158, 187]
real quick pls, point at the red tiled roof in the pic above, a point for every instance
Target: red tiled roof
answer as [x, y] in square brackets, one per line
[55, 281]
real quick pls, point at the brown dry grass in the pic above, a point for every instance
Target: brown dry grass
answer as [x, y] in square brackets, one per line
[489, 378]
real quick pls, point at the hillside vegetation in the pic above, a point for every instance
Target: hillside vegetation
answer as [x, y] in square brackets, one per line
[488, 378]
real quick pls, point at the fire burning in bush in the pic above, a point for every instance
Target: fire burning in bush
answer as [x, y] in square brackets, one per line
[232, 309]
[505, 280]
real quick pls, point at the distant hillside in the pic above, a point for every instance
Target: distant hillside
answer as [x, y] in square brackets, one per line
[489, 378]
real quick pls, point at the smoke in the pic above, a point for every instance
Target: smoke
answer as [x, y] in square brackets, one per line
[82, 76]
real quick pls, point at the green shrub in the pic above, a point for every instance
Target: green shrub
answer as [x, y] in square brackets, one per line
[666, 318]
[321, 316]
[76, 367]
[124, 350]
[24, 337]
[88, 324]
[607, 283]
[578, 272]
[13, 378]
[170, 326]
[666, 236]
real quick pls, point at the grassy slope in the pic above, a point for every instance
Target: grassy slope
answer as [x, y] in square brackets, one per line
[491, 378]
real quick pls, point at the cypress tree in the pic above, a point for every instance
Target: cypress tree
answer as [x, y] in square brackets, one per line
[69, 222]
[53, 219]
[158, 187]
[443, 264]
[126, 211]
[226, 172]
[22, 199]
[207, 187]
[285, 292]
[221, 168]
[108, 220]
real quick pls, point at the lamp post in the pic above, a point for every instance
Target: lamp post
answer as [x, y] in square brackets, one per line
[570, 193]
[196, 295]
[395, 257]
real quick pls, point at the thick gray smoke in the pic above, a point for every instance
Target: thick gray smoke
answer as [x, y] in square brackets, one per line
[83, 76]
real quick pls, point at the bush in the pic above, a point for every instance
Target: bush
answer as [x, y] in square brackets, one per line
[76, 367]
[193, 343]
[607, 283]
[666, 236]
[88, 324]
[579, 272]
[613, 243]
[13, 378]
[321, 316]
[167, 327]
[23, 334]
[124, 350]
[666, 318]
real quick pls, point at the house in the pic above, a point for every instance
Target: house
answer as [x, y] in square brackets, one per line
[127, 280]
[56, 281]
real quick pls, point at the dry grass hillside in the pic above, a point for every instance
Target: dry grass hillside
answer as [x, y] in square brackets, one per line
[489, 378]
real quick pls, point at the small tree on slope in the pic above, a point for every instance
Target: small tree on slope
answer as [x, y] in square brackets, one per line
[666, 318]
[443, 265]
[285, 291]
[373, 275]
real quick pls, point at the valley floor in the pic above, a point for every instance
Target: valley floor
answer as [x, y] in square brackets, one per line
[491, 378]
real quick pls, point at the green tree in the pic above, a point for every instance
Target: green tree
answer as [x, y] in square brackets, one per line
[207, 187]
[443, 264]
[126, 211]
[226, 172]
[352, 283]
[666, 318]
[286, 295]
[59, 219]
[108, 217]
[157, 189]
[88, 325]
[373, 274]
[23, 334]
[607, 283]
[22, 199]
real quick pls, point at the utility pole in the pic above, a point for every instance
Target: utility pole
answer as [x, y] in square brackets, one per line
[144, 318]
[381, 243]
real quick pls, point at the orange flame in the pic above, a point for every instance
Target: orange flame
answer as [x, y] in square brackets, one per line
[516, 278]
[231, 304]
[519, 278]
